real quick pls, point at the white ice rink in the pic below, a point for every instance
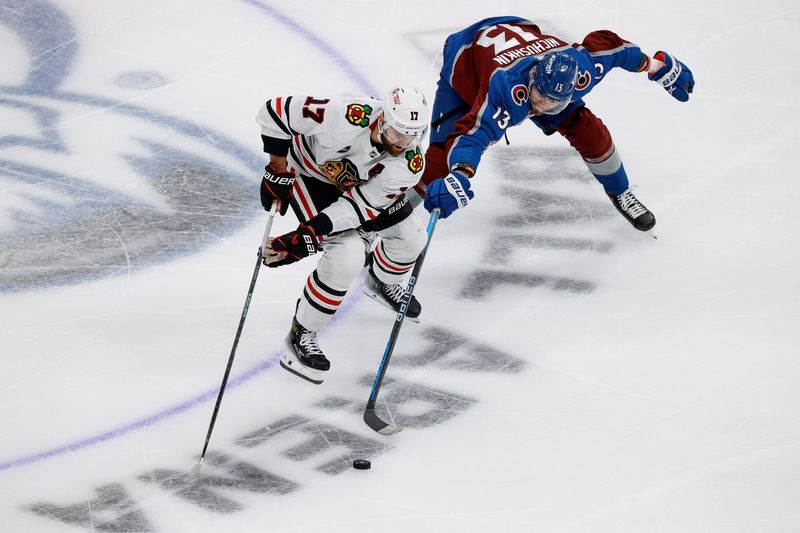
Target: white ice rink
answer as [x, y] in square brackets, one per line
[570, 374]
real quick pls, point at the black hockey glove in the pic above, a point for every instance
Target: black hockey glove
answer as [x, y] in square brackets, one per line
[291, 247]
[276, 186]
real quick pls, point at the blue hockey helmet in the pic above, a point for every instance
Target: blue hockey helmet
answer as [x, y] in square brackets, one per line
[552, 82]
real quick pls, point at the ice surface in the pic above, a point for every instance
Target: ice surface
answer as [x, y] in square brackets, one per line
[569, 374]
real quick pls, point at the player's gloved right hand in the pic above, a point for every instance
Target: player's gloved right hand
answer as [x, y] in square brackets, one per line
[276, 186]
[291, 247]
[448, 194]
[674, 76]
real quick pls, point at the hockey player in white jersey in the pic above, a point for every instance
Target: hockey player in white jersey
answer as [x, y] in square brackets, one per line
[340, 161]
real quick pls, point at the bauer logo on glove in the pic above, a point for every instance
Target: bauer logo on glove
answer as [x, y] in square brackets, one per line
[456, 190]
[291, 247]
[276, 186]
[674, 76]
[448, 194]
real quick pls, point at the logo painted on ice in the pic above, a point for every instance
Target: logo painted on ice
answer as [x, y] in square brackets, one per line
[122, 187]
[296, 443]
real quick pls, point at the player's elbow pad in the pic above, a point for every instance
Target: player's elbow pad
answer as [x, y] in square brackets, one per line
[398, 211]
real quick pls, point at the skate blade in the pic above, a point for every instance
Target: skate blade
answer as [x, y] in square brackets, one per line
[290, 362]
[381, 301]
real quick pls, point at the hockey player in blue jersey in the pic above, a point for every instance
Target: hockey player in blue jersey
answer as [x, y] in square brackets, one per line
[502, 71]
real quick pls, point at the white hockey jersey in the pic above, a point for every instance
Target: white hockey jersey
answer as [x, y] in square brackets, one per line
[330, 141]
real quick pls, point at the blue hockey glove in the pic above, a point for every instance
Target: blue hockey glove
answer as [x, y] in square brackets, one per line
[448, 194]
[674, 76]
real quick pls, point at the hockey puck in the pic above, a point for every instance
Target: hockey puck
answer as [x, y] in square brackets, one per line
[362, 464]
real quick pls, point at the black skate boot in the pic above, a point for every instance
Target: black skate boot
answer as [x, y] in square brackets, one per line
[391, 296]
[633, 210]
[303, 356]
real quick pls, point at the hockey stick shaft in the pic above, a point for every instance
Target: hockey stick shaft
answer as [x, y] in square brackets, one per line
[196, 468]
[370, 417]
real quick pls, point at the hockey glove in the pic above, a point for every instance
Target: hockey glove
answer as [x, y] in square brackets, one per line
[291, 247]
[276, 186]
[674, 76]
[448, 194]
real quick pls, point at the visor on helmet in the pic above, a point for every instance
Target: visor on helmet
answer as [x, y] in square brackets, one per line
[405, 117]
[551, 83]
[389, 135]
[542, 105]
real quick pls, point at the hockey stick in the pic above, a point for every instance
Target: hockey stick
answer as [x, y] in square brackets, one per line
[370, 417]
[195, 471]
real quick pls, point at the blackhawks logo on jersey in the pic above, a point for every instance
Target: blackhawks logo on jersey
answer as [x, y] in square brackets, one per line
[343, 173]
[358, 115]
[415, 161]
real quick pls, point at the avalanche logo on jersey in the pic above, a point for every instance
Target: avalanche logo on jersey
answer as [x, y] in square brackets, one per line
[343, 174]
[415, 160]
[583, 81]
[519, 93]
[358, 115]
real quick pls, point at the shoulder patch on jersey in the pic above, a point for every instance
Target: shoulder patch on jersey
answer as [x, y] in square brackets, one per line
[519, 93]
[358, 114]
[415, 160]
[584, 79]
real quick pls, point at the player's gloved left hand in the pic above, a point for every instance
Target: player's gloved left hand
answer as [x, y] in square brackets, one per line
[674, 76]
[291, 247]
[448, 194]
[276, 186]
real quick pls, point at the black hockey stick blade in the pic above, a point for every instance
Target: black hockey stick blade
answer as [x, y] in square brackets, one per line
[372, 419]
[378, 425]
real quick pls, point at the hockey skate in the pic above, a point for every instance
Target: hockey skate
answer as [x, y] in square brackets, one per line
[303, 356]
[391, 296]
[633, 210]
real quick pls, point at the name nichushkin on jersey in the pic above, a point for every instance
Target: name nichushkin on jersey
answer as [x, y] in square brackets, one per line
[532, 49]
